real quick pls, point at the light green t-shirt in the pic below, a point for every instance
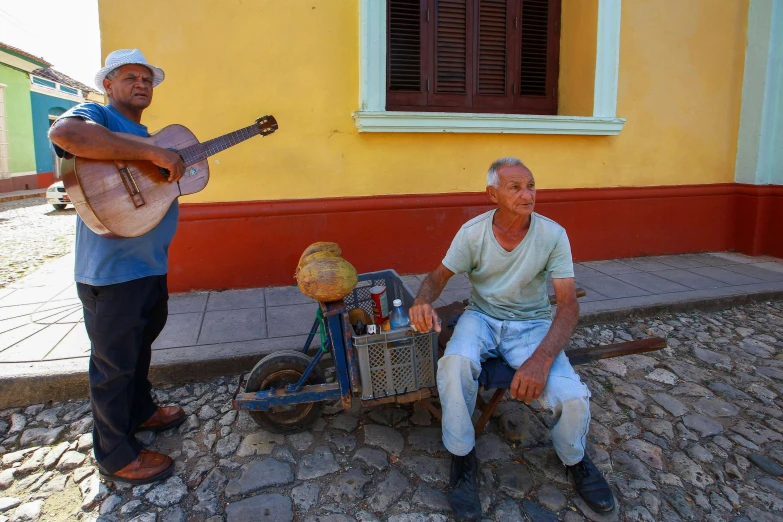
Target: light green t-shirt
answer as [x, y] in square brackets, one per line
[510, 285]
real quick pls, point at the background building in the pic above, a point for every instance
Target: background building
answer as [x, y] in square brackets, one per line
[32, 95]
[651, 127]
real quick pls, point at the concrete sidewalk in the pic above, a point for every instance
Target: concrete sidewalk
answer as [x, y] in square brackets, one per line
[44, 350]
[22, 194]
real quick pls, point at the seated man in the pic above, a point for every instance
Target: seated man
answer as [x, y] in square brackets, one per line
[507, 254]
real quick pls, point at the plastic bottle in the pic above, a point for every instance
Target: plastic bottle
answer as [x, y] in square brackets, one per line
[399, 316]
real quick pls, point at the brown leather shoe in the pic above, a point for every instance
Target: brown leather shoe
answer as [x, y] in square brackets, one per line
[164, 418]
[149, 466]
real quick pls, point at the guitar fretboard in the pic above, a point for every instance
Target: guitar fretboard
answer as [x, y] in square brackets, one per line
[201, 151]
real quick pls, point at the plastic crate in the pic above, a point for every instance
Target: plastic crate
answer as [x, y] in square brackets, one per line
[395, 362]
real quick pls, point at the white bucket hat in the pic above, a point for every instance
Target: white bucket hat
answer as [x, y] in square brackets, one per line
[122, 57]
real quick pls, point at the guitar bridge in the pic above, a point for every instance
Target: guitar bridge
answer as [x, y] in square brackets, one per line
[130, 185]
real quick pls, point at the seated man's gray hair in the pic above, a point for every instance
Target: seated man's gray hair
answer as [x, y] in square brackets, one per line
[492, 174]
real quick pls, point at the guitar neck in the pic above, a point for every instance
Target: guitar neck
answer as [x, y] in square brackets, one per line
[201, 151]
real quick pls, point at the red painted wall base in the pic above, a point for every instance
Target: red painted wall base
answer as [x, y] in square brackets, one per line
[27, 182]
[252, 244]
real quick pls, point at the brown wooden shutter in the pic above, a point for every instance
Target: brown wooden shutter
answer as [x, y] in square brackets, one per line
[539, 38]
[406, 54]
[473, 55]
[452, 74]
[493, 49]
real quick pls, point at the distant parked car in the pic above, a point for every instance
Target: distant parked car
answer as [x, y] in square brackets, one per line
[56, 196]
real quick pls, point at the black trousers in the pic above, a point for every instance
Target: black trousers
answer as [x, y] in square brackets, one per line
[122, 321]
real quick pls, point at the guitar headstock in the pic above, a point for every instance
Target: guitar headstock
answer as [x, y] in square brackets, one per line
[266, 125]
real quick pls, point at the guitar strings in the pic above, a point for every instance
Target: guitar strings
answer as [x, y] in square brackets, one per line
[201, 151]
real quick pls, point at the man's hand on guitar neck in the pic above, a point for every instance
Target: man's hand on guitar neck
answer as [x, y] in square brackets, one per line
[171, 161]
[90, 140]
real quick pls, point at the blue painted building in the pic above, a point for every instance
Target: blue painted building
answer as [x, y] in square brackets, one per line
[45, 110]
[51, 94]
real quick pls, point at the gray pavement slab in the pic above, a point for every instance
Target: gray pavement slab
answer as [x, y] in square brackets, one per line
[236, 299]
[44, 349]
[651, 282]
[412, 282]
[644, 264]
[285, 321]
[458, 281]
[458, 294]
[690, 279]
[610, 267]
[593, 295]
[756, 271]
[774, 266]
[737, 258]
[38, 344]
[285, 295]
[245, 324]
[677, 261]
[725, 276]
[33, 295]
[180, 330]
[74, 345]
[656, 303]
[609, 286]
[188, 302]
[708, 259]
[581, 270]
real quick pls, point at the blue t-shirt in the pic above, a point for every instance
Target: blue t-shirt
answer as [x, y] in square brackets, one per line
[102, 261]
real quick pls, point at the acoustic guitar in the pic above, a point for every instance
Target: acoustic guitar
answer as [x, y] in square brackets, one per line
[129, 198]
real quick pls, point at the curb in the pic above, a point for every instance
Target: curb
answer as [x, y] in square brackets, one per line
[4, 199]
[24, 390]
[25, 387]
[701, 304]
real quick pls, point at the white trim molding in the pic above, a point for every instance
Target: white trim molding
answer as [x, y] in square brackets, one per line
[607, 59]
[55, 93]
[372, 115]
[760, 138]
[399, 121]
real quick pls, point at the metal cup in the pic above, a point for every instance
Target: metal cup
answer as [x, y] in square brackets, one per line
[373, 329]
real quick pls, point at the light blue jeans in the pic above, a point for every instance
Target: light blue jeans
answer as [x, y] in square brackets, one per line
[478, 337]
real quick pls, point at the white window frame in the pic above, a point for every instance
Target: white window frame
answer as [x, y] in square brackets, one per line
[372, 115]
[56, 91]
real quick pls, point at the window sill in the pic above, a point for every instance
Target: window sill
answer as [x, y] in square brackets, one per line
[481, 123]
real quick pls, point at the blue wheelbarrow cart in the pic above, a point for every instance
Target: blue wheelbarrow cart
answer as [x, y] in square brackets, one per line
[287, 390]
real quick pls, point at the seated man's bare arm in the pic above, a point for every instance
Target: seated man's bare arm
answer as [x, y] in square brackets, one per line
[530, 379]
[422, 315]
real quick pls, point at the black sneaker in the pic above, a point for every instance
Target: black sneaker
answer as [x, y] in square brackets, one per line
[463, 487]
[592, 486]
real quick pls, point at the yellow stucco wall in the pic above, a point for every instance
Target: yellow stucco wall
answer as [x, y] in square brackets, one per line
[226, 63]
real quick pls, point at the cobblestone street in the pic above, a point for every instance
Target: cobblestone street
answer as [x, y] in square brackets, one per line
[32, 232]
[694, 432]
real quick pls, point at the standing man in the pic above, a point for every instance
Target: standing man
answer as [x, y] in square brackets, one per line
[508, 253]
[122, 282]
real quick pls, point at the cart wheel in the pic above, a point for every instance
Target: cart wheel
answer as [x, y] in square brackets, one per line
[278, 370]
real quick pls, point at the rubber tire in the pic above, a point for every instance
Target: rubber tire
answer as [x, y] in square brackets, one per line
[271, 368]
[59, 207]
